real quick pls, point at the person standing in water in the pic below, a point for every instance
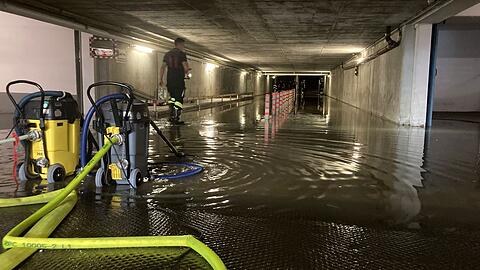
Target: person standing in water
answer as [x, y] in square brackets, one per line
[176, 62]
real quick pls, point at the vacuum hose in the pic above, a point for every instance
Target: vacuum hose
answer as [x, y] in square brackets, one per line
[86, 124]
[18, 112]
[195, 169]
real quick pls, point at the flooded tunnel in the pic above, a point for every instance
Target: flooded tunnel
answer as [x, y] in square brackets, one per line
[239, 135]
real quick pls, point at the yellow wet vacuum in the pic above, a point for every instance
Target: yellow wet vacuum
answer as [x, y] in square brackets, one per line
[52, 119]
[39, 124]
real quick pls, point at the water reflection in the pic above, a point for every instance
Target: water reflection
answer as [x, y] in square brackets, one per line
[336, 162]
[333, 163]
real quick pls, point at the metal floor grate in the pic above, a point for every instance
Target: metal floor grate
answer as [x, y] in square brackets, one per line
[245, 242]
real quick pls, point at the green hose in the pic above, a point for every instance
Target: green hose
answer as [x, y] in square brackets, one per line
[12, 140]
[13, 239]
[32, 135]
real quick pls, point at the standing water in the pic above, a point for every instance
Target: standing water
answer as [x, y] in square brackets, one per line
[329, 187]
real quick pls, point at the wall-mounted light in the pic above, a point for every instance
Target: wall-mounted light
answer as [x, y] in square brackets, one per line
[211, 66]
[143, 49]
[360, 60]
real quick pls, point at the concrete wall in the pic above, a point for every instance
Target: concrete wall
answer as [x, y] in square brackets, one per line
[45, 53]
[35, 51]
[458, 69]
[134, 67]
[142, 71]
[393, 86]
[213, 80]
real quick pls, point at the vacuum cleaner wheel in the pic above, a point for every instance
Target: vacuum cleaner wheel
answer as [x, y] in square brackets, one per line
[99, 177]
[22, 173]
[55, 173]
[135, 177]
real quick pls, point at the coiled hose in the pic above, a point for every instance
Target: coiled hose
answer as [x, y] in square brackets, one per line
[51, 214]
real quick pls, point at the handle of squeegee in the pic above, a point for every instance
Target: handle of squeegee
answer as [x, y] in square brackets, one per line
[165, 139]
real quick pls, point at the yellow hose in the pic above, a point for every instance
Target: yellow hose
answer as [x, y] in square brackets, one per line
[37, 199]
[13, 240]
[119, 242]
[43, 228]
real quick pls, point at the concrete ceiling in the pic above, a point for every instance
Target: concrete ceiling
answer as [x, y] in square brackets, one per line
[295, 35]
[471, 12]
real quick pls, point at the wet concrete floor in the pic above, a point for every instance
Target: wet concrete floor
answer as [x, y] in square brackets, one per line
[324, 187]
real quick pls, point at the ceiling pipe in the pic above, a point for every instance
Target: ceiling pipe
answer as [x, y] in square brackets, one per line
[391, 44]
[425, 13]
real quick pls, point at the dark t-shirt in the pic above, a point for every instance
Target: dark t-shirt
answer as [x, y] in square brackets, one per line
[175, 73]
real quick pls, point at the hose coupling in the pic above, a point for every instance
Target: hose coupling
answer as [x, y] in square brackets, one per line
[123, 163]
[34, 135]
[42, 162]
[120, 139]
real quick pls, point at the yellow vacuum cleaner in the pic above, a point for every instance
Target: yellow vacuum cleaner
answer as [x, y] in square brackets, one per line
[52, 119]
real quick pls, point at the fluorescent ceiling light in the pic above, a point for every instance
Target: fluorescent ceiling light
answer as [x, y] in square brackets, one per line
[143, 49]
[360, 60]
[211, 66]
[286, 71]
[341, 49]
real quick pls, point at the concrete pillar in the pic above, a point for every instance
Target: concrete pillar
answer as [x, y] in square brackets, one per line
[267, 84]
[328, 84]
[416, 46]
[297, 88]
[393, 86]
[421, 69]
[88, 73]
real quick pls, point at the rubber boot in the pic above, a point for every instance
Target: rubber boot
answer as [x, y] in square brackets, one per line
[173, 114]
[177, 117]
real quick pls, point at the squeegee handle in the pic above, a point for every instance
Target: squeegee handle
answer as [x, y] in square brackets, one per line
[165, 139]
